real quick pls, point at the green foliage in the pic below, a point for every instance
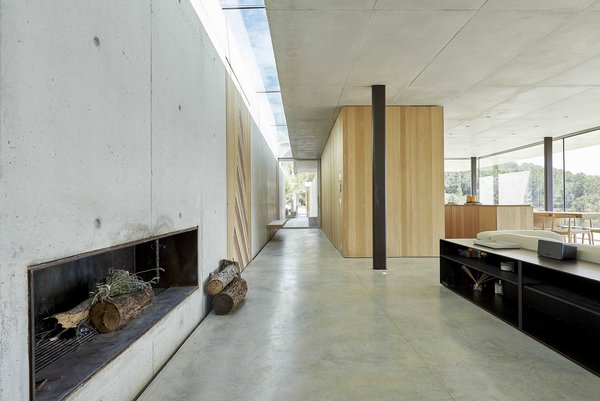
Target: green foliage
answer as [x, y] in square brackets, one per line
[457, 186]
[294, 183]
[582, 190]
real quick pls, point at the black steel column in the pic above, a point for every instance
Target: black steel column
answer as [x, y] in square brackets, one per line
[548, 191]
[379, 235]
[473, 176]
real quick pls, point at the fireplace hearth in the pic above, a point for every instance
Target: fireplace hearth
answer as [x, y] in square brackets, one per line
[61, 360]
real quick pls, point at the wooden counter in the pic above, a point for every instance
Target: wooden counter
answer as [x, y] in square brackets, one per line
[465, 221]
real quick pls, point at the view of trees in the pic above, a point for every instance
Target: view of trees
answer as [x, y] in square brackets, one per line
[457, 186]
[581, 191]
[295, 190]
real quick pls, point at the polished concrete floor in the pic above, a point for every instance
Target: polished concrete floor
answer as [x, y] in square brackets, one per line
[297, 222]
[316, 326]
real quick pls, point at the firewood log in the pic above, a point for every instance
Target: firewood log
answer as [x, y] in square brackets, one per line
[218, 281]
[74, 316]
[113, 313]
[223, 263]
[230, 297]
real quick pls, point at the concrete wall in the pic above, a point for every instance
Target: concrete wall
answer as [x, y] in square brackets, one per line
[281, 183]
[111, 111]
[264, 200]
[188, 131]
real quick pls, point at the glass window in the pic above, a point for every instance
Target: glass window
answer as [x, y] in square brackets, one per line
[251, 56]
[242, 3]
[558, 188]
[300, 180]
[486, 189]
[582, 172]
[513, 178]
[457, 180]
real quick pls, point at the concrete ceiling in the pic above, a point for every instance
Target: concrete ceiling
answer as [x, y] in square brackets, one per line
[508, 72]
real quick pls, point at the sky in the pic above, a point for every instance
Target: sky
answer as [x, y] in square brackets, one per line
[582, 160]
[255, 30]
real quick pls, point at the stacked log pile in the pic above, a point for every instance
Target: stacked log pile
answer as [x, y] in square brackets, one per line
[228, 287]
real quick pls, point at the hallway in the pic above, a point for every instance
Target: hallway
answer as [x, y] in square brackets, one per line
[316, 326]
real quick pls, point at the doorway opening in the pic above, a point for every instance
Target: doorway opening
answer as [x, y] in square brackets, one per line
[300, 193]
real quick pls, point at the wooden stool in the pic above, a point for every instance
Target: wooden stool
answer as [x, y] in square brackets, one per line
[592, 231]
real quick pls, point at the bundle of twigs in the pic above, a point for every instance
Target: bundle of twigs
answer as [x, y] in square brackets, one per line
[481, 277]
[119, 282]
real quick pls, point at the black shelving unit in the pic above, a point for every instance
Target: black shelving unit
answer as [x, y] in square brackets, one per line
[505, 306]
[555, 302]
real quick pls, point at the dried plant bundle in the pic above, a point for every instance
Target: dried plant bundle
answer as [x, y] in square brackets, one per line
[481, 278]
[118, 282]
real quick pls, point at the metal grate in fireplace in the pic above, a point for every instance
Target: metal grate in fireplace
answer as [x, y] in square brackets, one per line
[50, 348]
[62, 360]
[54, 344]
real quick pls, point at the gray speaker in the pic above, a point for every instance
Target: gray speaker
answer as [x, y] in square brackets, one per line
[556, 250]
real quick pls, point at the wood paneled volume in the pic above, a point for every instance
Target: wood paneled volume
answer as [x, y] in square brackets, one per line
[332, 186]
[358, 208]
[414, 180]
[238, 177]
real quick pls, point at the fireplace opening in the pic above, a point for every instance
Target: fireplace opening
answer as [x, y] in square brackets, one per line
[63, 359]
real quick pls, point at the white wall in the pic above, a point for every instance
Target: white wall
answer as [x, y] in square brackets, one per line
[264, 189]
[281, 184]
[313, 194]
[188, 131]
[95, 132]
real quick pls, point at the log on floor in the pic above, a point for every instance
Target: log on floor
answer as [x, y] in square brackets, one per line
[74, 316]
[223, 263]
[113, 313]
[218, 281]
[231, 296]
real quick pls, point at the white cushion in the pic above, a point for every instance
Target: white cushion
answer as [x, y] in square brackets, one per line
[589, 253]
[545, 234]
[528, 239]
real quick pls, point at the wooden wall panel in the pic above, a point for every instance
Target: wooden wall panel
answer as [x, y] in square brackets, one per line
[465, 221]
[488, 218]
[358, 209]
[509, 217]
[238, 177]
[332, 186]
[415, 180]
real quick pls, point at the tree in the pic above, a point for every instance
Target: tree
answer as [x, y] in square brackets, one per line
[457, 185]
[581, 191]
[294, 184]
